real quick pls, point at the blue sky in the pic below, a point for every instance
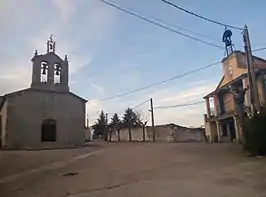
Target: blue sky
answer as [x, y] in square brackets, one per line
[111, 52]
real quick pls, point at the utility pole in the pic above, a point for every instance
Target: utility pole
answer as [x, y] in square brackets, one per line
[152, 121]
[106, 128]
[254, 99]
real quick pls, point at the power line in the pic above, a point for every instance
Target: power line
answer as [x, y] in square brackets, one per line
[176, 26]
[160, 25]
[199, 16]
[185, 105]
[185, 29]
[259, 49]
[181, 105]
[142, 103]
[157, 83]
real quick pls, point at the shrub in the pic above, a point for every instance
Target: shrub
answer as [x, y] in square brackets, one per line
[255, 134]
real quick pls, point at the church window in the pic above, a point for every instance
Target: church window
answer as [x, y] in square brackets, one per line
[48, 130]
[44, 72]
[57, 73]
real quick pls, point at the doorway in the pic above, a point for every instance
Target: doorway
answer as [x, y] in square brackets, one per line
[48, 131]
[232, 129]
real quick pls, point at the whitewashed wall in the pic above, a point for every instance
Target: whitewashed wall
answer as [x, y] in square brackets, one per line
[164, 133]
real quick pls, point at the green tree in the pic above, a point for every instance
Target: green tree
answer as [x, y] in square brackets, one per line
[130, 120]
[255, 135]
[100, 126]
[115, 125]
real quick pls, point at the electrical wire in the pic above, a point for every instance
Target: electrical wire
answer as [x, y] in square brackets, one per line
[176, 26]
[157, 83]
[202, 17]
[142, 103]
[160, 25]
[123, 110]
[181, 105]
[259, 49]
[185, 29]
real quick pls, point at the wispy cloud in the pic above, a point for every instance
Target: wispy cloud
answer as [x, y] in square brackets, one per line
[190, 94]
[15, 61]
[187, 116]
[66, 8]
[97, 87]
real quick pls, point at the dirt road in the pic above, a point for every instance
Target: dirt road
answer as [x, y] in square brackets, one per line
[134, 169]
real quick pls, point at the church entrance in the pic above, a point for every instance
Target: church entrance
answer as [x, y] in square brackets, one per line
[48, 130]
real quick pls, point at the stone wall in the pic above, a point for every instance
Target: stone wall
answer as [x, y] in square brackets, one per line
[27, 111]
[163, 133]
[3, 120]
[136, 133]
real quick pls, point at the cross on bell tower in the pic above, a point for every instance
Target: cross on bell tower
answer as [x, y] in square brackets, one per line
[51, 45]
[49, 71]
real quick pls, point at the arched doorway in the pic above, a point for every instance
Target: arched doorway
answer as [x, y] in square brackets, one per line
[48, 133]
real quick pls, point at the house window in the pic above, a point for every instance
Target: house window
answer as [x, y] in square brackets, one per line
[48, 132]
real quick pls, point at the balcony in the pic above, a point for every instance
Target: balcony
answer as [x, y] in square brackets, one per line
[226, 107]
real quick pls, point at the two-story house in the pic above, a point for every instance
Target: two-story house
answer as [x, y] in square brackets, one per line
[221, 120]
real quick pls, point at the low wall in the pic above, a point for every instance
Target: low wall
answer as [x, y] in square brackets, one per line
[163, 133]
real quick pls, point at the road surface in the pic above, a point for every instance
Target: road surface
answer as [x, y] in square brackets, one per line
[133, 169]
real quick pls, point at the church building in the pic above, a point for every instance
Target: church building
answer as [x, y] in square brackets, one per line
[46, 115]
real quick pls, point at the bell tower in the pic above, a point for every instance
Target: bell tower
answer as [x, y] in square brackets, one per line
[49, 71]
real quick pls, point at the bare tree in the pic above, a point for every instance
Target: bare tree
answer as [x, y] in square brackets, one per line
[142, 121]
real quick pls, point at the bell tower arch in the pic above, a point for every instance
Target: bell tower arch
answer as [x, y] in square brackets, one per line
[49, 71]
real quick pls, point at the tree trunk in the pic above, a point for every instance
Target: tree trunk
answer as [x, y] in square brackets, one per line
[105, 135]
[143, 132]
[129, 134]
[110, 136]
[118, 135]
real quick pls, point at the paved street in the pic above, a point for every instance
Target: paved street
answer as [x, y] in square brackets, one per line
[133, 169]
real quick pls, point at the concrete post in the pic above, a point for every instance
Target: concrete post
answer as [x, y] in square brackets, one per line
[236, 123]
[228, 131]
[218, 125]
[207, 101]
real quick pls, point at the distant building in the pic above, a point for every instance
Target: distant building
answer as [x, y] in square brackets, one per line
[46, 115]
[221, 120]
